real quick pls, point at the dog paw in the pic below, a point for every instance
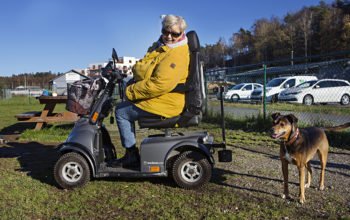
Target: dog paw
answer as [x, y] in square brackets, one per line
[307, 185]
[321, 188]
[301, 200]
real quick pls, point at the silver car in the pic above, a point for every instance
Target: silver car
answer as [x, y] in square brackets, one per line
[318, 91]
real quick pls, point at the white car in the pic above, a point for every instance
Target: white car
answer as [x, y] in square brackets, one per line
[28, 91]
[241, 91]
[277, 85]
[318, 91]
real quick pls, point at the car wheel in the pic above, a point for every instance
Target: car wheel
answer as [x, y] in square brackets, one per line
[345, 100]
[274, 98]
[235, 98]
[71, 171]
[308, 100]
[191, 170]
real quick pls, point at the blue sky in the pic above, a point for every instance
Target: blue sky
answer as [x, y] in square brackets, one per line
[59, 35]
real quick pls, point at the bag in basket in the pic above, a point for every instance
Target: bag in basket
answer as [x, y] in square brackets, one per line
[81, 95]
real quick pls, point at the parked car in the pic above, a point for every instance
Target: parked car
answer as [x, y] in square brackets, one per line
[29, 91]
[241, 91]
[318, 91]
[277, 85]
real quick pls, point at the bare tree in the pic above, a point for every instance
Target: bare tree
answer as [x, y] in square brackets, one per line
[305, 22]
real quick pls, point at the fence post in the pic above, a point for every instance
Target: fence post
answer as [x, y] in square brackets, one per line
[264, 94]
[223, 130]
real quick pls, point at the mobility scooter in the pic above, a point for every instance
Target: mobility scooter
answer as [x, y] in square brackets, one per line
[185, 157]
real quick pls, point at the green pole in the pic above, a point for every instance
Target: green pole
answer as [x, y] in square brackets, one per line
[264, 95]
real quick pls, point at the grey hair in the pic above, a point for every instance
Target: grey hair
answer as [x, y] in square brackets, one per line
[171, 20]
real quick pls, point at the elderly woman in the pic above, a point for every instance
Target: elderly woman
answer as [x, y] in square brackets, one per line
[163, 67]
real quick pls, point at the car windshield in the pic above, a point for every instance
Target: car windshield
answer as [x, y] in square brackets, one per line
[307, 84]
[236, 87]
[275, 82]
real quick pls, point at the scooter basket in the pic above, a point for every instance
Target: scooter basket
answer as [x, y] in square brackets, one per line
[81, 95]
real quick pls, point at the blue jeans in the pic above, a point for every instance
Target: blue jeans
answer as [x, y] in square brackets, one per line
[126, 113]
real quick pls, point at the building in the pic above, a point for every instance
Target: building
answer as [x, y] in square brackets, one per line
[59, 84]
[216, 74]
[95, 69]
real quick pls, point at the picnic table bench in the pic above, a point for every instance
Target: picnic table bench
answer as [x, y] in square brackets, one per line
[47, 115]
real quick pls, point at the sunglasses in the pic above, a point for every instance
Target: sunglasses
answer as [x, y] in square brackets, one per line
[173, 34]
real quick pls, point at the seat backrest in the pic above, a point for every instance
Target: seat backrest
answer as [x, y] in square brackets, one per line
[194, 97]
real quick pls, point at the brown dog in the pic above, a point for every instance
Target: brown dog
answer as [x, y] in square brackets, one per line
[298, 147]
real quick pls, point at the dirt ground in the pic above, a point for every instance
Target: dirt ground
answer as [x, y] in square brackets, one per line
[254, 175]
[256, 170]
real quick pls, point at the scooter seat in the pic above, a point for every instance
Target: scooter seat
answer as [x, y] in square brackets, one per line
[186, 119]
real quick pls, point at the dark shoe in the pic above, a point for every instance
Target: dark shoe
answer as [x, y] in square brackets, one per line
[130, 159]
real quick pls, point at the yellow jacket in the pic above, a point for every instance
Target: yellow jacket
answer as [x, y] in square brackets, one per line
[156, 75]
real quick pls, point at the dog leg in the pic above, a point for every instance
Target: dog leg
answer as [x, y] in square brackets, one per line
[285, 179]
[323, 160]
[309, 174]
[302, 183]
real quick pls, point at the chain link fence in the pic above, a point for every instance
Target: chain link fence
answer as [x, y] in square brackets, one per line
[5, 94]
[316, 89]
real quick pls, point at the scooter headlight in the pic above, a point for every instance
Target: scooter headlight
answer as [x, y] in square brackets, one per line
[208, 139]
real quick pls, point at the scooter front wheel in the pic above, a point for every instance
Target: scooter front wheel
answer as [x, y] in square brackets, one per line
[191, 170]
[71, 171]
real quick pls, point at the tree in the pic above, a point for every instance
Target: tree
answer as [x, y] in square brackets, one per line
[312, 30]
[269, 39]
[304, 23]
[241, 47]
[215, 55]
[290, 33]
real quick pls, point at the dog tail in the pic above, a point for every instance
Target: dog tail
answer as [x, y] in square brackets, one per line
[337, 128]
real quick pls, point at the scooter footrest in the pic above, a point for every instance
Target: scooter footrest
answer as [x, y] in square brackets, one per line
[225, 155]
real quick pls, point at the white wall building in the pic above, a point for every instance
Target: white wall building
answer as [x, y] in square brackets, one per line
[59, 84]
[94, 69]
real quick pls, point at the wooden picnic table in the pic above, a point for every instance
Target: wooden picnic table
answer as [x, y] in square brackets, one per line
[47, 115]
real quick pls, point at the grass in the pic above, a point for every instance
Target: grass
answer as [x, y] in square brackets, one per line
[59, 132]
[52, 134]
[243, 189]
[257, 125]
[10, 107]
[325, 109]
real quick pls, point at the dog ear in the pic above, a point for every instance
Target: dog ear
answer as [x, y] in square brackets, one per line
[275, 115]
[292, 118]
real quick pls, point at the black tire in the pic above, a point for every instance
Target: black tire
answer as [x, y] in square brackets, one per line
[234, 98]
[345, 100]
[274, 98]
[191, 170]
[71, 170]
[308, 100]
[170, 165]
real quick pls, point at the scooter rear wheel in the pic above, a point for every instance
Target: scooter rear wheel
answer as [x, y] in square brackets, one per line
[71, 171]
[191, 170]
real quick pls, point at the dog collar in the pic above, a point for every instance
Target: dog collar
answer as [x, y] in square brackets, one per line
[293, 138]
